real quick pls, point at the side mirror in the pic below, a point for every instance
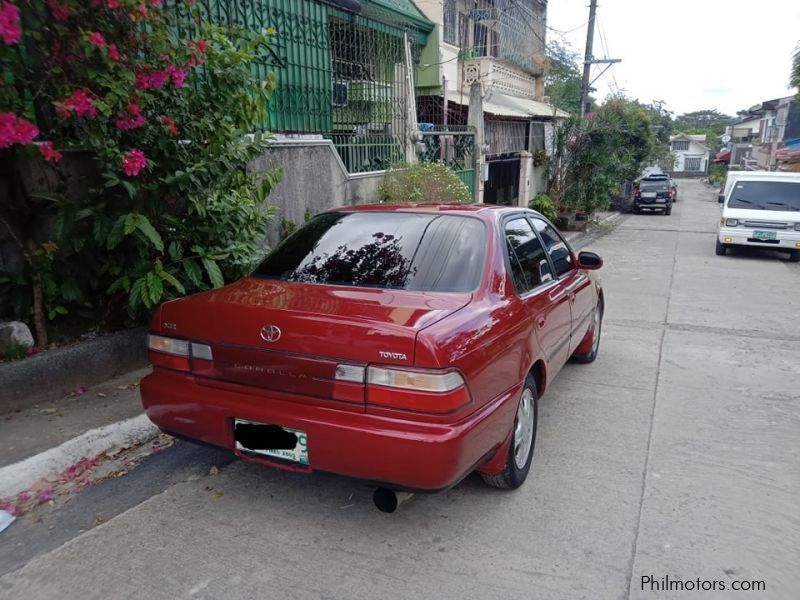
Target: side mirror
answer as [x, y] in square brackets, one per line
[721, 198]
[589, 261]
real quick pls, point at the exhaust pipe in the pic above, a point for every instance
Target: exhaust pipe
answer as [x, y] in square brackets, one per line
[387, 500]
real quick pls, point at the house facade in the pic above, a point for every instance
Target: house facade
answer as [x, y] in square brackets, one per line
[691, 154]
[484, 66]
[343, 109]
[762, 134]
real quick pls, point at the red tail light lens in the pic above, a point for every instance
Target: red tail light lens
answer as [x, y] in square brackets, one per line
[429, 391]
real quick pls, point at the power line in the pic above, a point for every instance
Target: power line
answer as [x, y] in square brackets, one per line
[581, 26]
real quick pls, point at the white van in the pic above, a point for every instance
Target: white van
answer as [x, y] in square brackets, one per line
[761, 209]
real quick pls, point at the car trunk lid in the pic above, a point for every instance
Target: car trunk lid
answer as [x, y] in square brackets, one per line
[290, 337]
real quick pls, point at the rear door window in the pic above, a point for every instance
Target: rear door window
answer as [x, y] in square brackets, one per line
[397, 250]
[766, 195]
[529, 265]
[556, 247]
[659, 185]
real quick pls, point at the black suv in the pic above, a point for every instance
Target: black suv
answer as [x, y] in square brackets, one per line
[653, 192]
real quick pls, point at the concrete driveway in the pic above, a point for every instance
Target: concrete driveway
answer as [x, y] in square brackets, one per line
[676, 454]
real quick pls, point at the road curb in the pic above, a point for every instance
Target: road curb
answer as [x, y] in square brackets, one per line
[21, 475]
[53, 373]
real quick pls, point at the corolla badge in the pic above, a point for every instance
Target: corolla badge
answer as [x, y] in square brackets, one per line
[270, 333]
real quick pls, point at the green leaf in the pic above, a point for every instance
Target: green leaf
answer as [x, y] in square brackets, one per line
[144, 225]
[171, 279]
[117, 232]
[129, 187]
[193, 272]
[214, 274]
[137, 294]
[131, 223]
[70, 290]
[175, 250]
[154, 291]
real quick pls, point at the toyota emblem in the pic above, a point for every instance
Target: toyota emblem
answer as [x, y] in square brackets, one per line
[270, 333]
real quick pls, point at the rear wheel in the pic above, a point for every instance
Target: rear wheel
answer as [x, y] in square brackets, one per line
[721, 249]
[637, 210]
[794, 256]
[523, 439]
[668, 211]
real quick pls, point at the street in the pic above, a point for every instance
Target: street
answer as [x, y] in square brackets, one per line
[676, 453]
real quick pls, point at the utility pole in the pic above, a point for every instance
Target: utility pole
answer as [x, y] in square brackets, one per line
[587, 58]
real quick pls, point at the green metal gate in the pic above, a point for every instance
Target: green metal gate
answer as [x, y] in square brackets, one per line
[453, 146]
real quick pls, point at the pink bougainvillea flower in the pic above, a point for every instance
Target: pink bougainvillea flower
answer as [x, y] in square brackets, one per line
[113, 52]
[10, 30]
[48, 152]
[79, 103]
[178, 77]
[23, 496]
[155, 2]
[45, 495]
[26, 131]
[129, 122]
[97, 40]
[113, 4]
[16, 130]
[8, 131]
[170, 124]
[133, 162]
[60, 11]
[152, 80]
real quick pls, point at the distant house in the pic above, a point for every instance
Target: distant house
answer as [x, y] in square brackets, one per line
[691, 153]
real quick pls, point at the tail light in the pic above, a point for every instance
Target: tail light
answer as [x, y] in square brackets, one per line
[669, 194]
[176, 354]
[419, 390]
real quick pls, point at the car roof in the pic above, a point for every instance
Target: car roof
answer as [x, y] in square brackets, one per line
[426, 207]
[763, 175]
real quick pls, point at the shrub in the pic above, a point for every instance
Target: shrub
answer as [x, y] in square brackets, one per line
[543, 204]
[423, 182]
[145, 113]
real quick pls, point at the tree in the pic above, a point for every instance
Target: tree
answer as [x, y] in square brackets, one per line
[594, 156]
[794, 79]
[564, 78]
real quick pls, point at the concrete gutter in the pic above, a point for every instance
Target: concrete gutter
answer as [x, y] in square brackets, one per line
[20, 476]
[57, 372]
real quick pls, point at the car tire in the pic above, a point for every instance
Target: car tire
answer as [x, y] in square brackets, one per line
[637, 210]
[597, 331]
[523, 440]
[668, 211]
[721, 249]
[794, 255]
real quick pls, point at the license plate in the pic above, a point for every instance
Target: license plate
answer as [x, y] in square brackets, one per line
[662, 200]
[649, 194]
[271, 440]
[764, 235]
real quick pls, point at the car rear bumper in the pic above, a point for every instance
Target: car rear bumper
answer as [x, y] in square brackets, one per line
[405, 454]
[786, 239]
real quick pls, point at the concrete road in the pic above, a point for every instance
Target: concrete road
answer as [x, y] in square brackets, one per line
[676, 454]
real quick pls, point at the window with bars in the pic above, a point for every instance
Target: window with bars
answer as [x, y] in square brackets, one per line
[450, 25]
[678, 145]
[693, 164]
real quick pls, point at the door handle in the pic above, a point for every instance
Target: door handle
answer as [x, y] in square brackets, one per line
[540, 322]
[572, 298]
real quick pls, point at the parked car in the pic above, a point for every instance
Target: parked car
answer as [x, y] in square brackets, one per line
[403, 345]
[760, 209]
[653, 193]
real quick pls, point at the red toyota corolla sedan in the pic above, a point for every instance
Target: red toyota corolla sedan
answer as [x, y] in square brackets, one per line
[404, 345]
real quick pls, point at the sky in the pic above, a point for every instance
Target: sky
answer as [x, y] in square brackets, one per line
[692, 54]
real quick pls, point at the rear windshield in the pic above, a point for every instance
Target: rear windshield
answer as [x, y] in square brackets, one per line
[660, 185]
[766, 195]
[408, 251]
